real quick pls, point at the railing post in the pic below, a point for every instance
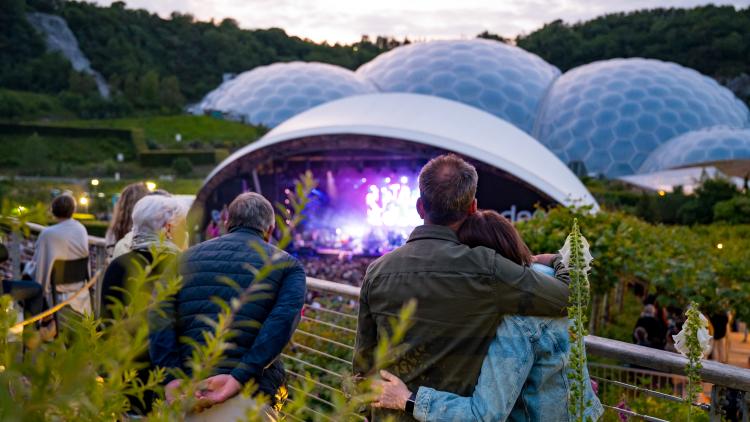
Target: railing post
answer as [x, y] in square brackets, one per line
[15, 253]
[718, 395]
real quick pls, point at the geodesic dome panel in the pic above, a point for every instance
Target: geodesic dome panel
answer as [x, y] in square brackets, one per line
[612, 114]
[498, 78]
[700, 147]
[268, 95]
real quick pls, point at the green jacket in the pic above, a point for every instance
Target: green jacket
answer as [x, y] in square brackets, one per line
[462, 293]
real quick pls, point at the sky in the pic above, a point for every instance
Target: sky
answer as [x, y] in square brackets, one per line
[346, 21]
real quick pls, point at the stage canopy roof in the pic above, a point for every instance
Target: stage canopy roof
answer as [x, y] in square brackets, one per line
[431, 121]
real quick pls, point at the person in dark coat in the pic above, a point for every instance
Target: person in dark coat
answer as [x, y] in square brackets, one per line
[158, 222]
[262, 327]
[649, 330]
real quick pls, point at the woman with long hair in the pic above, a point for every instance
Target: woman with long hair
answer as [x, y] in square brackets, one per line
[524, 375]
[122, 216]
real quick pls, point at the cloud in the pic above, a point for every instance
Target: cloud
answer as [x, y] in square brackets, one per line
[347, 20]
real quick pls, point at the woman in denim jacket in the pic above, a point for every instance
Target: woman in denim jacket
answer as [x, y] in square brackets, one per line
[524, 375]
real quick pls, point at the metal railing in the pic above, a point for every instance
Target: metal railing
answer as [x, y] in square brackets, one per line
[97, 257]
[640, 383]
[323, 346]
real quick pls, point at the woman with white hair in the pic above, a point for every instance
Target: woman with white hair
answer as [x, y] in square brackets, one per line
[158, 225]
[158, 228]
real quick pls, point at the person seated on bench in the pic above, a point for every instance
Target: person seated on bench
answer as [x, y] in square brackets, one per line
[26, 291]
[65, 241]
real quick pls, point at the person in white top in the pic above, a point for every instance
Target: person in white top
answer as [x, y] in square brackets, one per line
[66, 240]
[119, 235]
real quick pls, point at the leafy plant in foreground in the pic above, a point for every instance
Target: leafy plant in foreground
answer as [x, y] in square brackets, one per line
[693, 342]
[577, 259]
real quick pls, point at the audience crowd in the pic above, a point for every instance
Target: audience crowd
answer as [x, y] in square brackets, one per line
[345, 269]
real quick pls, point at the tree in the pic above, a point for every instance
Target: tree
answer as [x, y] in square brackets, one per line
[700, 208]
[487, 35]
[733, 211]
[170, 96]
[82, 84]
[182, 166]
[149, 89]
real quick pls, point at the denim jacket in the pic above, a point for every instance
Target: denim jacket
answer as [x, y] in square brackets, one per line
[462, 294]
[523, 378]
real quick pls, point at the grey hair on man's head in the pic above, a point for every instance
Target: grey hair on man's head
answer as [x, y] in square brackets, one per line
[447, 186]
[152, 213]
[250, 210]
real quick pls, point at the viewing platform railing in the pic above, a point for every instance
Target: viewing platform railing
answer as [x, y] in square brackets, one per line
[634, 381]
[632, 372]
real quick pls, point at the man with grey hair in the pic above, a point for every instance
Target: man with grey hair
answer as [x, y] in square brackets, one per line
[461, 292]
[262, 327]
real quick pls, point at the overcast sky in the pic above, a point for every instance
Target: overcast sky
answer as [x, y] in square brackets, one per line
[346, 20]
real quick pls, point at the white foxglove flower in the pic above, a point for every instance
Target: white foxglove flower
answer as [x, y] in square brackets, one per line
[587, 258]
[704, 339]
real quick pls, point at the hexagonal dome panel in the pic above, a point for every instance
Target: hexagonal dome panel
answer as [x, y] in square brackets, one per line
[498, 78]
[268, 95]
[700, 147]
[592, 112]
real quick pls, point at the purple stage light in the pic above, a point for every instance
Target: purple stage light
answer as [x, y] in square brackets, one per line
[361, 212]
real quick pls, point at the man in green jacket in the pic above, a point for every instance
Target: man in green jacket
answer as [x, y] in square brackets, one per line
[461, 292]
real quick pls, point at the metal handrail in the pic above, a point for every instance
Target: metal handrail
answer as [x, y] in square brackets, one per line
[660, 360]
[93, 240]
[721, 375]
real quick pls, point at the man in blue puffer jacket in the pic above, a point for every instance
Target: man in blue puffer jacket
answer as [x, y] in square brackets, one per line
[262, 327]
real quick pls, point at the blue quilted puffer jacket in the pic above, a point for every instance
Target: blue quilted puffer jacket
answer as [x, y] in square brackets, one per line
[217, 269]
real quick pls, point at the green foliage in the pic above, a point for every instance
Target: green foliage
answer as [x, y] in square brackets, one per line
[675, 207]
[55, 156]
[576, 256]
[131, 44]
[200, 130]
[17, 105]
[89, 370]
[15, 216]
[182, 166]
[733, 211]
[24, 62]
[96, 228]
[700, 208]
[694, 355]
[89, 147]
[710, 39]
[151, 64]
[678, 263]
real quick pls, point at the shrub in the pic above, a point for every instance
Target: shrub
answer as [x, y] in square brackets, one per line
[182, 166]
[733, 211]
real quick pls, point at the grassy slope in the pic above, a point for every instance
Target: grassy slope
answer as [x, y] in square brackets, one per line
[87, 157]
[58, 156]
[203, 129]
[30, 105]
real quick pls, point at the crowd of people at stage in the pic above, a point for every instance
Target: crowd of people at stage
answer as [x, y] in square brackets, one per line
[342, 268]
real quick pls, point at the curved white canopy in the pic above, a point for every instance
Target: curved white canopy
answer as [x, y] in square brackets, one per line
[439, 123]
